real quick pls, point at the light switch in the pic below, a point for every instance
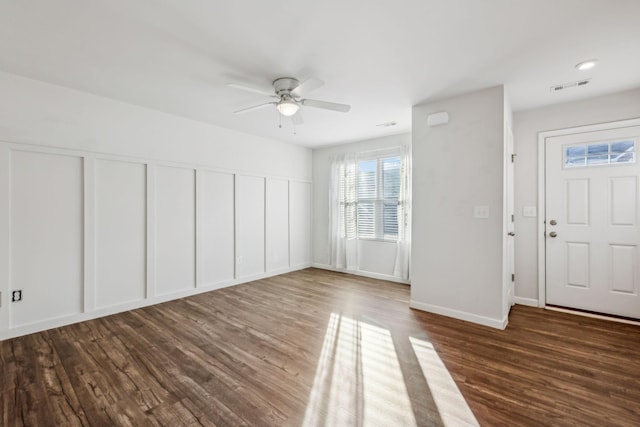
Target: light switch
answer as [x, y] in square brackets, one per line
[529, 211]
[481, 212]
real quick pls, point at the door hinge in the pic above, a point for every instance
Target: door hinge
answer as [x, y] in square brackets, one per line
[512, 217]
[513, 277]
[513, 157]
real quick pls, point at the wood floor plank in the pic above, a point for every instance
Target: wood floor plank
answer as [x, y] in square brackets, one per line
[319, 348]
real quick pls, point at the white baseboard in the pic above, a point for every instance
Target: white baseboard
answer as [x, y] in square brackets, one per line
[119, 308]
[361, 273]
[461, 315]
[531, 302]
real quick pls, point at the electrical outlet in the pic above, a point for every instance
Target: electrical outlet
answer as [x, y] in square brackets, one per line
[16, 296]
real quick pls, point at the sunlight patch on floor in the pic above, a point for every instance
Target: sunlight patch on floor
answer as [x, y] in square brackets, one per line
[358, 380]
[453, 409]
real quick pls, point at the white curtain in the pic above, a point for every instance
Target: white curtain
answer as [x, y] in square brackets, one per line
[343, 211]
[402, 267]
[343, 202]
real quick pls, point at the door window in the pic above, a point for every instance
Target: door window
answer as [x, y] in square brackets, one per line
[600, 153]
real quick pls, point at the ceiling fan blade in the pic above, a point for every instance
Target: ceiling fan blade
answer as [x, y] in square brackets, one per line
[306, 86]
[251, 89]
[255, 107]
[343, 108]
[297, 119]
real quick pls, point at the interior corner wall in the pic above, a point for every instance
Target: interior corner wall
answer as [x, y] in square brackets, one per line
[375, 257]
[527, 125]
[457, 259]
[107, 206]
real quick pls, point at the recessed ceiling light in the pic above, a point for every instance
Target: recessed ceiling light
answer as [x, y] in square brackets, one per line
[586, 65]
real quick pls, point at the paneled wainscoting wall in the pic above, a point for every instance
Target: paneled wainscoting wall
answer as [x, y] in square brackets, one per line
[83, 234]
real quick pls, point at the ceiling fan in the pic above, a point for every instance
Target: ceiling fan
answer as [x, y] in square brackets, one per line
[289, 97]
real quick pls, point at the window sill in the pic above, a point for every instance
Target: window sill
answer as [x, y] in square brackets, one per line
[375, 239]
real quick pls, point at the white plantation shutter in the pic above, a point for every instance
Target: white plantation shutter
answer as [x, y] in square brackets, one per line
[367, 198]
[390, 193]
[377, 203]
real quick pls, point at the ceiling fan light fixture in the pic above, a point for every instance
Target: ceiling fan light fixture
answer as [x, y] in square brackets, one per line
[586, 65]
[287, 107]
[289, 98]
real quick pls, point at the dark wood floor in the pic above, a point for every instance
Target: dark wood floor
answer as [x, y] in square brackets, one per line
[320, 348]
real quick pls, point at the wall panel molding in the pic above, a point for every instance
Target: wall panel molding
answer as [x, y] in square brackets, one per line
[151, 231]
[47, 236]
[213, 209]
[216, 228]
[89, 188]
[5, 235]
[250, 225]
[120, 225]
[300, 222]
[277, 230]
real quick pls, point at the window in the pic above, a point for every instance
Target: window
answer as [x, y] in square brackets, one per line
[375, 189]
[370, 199]
[601, 153]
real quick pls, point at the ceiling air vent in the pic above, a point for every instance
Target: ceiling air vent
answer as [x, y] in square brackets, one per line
[577, 83]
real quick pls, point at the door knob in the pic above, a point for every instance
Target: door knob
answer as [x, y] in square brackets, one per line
[553, 222]
[553, 234]
[511, 233]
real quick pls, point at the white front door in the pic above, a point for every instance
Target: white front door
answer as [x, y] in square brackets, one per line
[592, 231]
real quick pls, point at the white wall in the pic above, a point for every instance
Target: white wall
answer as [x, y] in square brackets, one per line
[120, 232]
[175, 226]
[35, 112]
[216, 233]
[376, 258]
[300, 222]
[46, 234]
[527, 125]
[456, 259]
[106, 206]
[277, 224]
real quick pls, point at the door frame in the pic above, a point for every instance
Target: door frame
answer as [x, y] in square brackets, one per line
[542, 145]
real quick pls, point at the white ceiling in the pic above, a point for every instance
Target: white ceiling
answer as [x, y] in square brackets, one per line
[380, 56]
